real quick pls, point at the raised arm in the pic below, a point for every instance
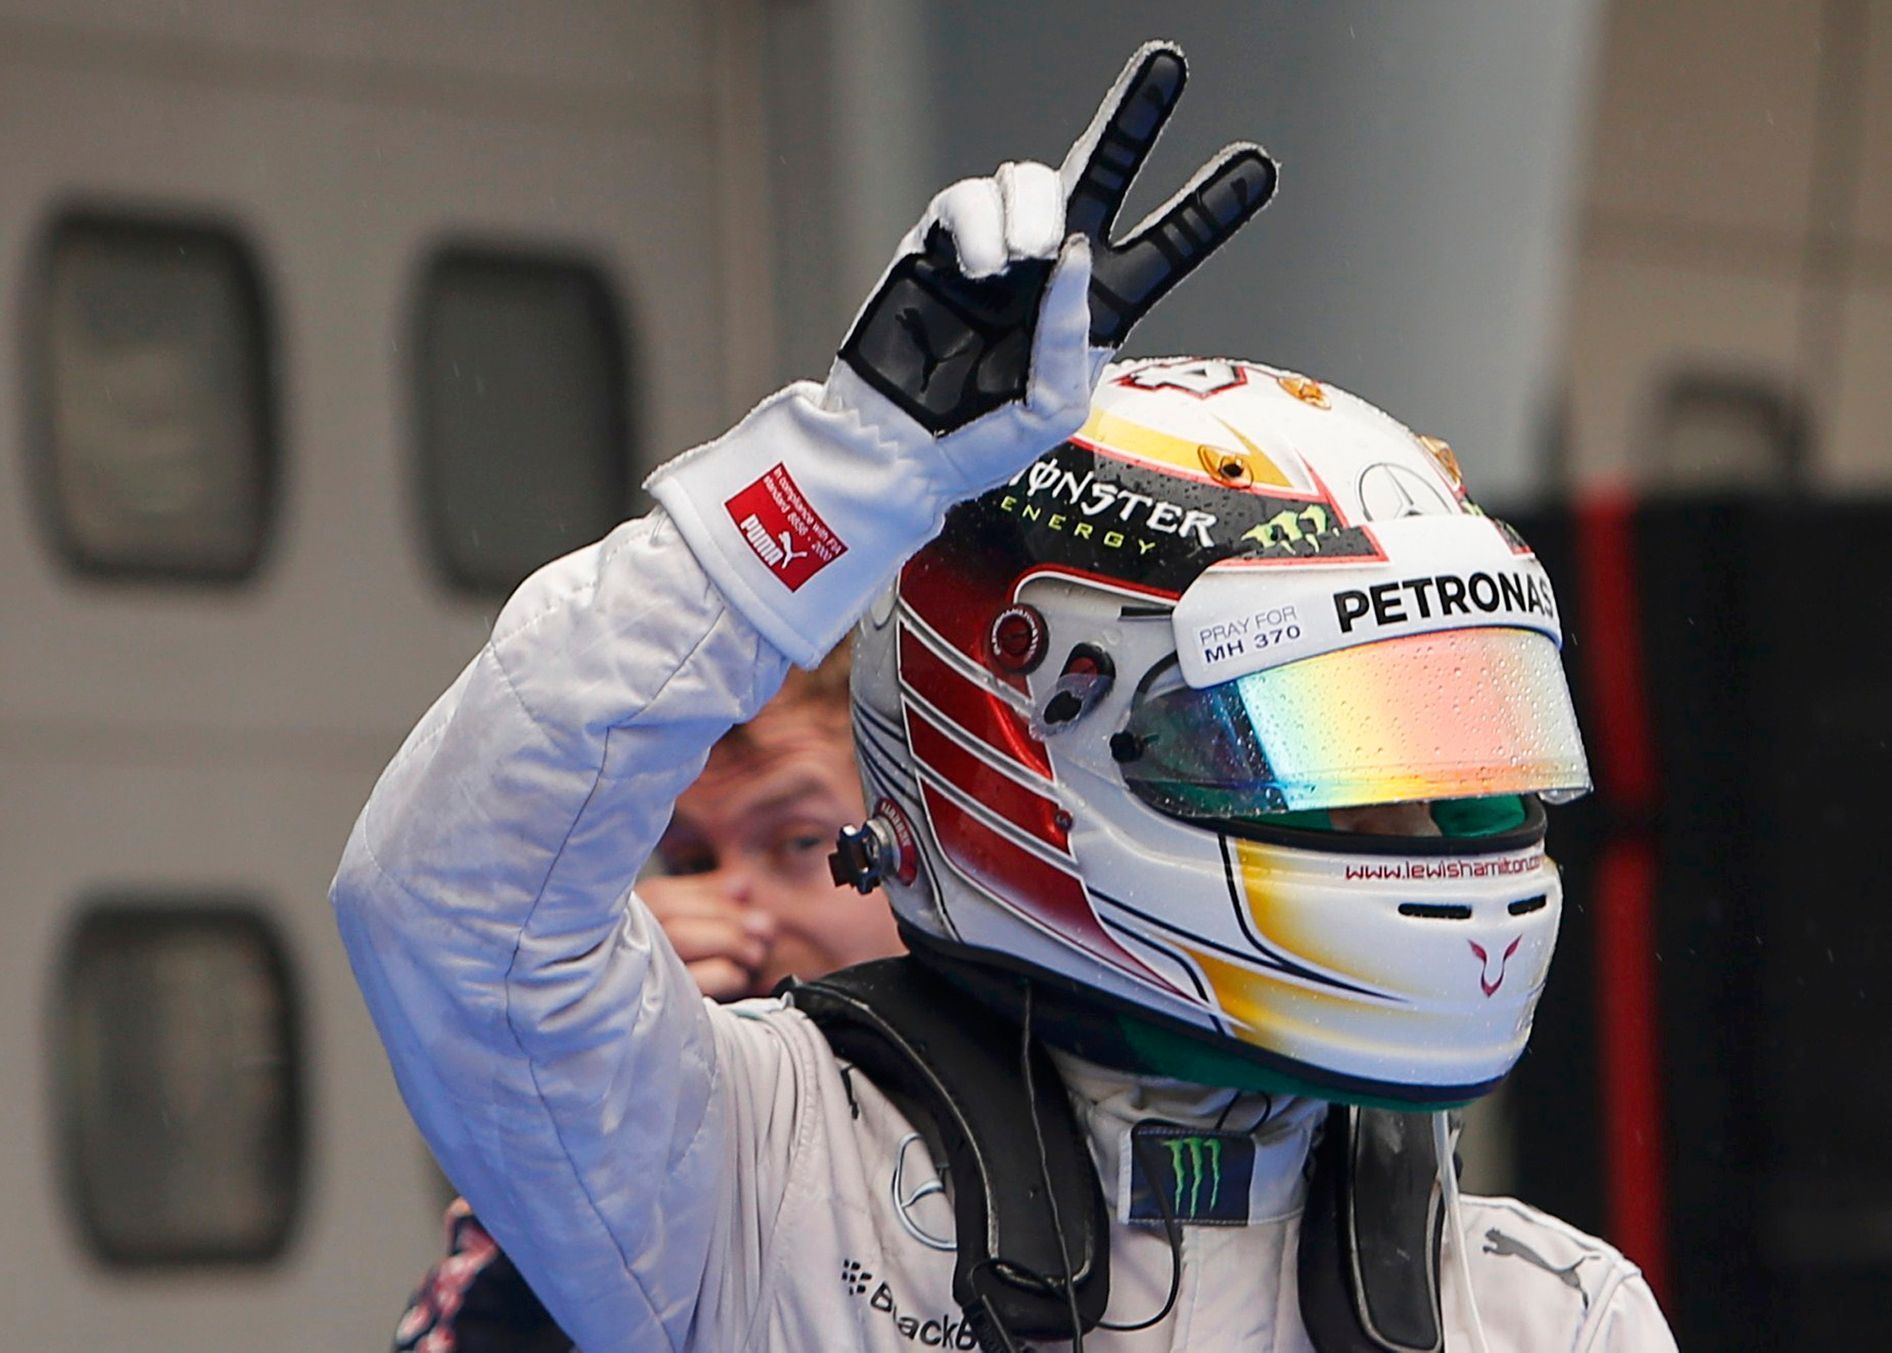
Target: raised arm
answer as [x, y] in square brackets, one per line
[548, 1041]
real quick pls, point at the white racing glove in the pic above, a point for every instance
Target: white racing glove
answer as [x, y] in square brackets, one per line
[976, 353]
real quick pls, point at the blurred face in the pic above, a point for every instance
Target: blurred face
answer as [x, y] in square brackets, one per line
[746, 898]
[1387, 819]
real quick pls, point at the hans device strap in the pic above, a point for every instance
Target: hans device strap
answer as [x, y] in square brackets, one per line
[1369, 1256]
[1370, 1235]
[955, 1067]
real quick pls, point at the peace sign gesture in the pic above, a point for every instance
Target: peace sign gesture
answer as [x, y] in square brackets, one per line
[1010, 291]
[1128, 279]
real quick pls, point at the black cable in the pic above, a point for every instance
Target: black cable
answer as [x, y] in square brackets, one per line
[1268, 1111]
[1221, 1119]
[1171, 1228]
[1044, 1175]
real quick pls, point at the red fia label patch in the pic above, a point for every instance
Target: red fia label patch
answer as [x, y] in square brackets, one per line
[787, 534]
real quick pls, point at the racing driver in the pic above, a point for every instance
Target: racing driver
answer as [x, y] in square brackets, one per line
[1206, 727]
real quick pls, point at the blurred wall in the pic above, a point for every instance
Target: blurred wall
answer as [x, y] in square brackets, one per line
[170, 744]
[1737, 226]
[1415, 253]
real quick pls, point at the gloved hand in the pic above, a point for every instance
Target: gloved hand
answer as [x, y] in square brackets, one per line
[976, 353]
[975, 314]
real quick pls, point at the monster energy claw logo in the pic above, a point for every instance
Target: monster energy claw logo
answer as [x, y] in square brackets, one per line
[1199, 1178]
[1297, 531]
[1195, 1147]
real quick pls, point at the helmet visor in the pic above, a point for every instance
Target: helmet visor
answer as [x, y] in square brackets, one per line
[1457, 714]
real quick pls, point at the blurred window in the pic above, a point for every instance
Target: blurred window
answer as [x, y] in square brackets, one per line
[1726, 432]
[178, 1084]
[152, 360]
[521, 405]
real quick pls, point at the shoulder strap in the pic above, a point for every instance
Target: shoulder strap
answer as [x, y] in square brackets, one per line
[1369, 1261]
[952, 1066]
[949, 1061]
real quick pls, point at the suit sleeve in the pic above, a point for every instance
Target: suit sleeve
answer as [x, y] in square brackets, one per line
[605, 1124]
[550, 1044]
[1630, 1322]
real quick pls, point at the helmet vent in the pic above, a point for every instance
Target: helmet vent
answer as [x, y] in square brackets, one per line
[1227, 467]
[1063, 708]
[1086, 678]
[1437, 911]
[1524, 906]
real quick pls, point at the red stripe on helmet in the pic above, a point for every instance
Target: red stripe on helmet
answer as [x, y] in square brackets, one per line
[974, 710]
[958, 595]
[984, 783]
[1102, 581]
[1025, 883]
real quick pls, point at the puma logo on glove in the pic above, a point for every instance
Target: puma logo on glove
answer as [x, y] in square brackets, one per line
[977, 352]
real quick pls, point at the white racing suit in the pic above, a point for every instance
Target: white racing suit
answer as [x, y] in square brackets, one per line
[669, 1174]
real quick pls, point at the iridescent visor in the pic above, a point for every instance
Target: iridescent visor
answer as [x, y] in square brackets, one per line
[1449, 715]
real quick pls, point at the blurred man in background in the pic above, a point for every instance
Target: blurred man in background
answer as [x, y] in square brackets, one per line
[742, 889]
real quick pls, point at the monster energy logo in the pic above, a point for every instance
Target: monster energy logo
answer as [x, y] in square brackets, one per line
[1289, 528]
[1196, 1147]
[1208, 1175]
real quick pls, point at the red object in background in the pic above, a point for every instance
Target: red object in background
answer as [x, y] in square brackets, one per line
[1630, 1053]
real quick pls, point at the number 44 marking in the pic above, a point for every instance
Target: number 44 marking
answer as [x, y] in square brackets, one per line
[1199, 378]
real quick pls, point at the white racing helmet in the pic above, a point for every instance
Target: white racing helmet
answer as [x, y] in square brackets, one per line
[1107, 720]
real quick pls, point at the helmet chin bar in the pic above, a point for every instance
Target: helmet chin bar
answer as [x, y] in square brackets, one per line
[1089, 1023]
